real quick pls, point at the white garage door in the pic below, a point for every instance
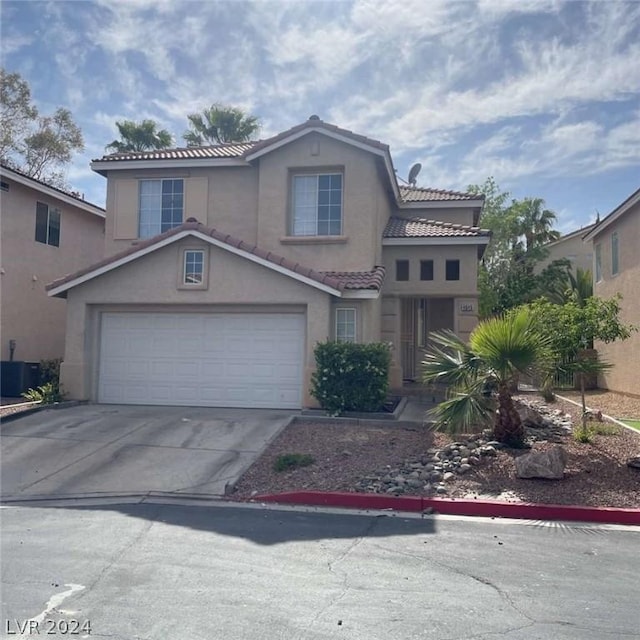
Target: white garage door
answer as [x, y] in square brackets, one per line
[212, 360]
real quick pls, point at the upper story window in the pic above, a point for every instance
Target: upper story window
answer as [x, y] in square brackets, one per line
[317, 205]
[193, 267]
[615, 255]
[161, 206]
[4, 186]
[402, 270]
[426, 269]
[452, 270]
[598, 259]
[345, 325]
[47, 224]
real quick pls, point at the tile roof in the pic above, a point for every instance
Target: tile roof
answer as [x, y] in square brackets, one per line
[314, 122]
[70, 194]
[226, 150]
[238, 149]
[335, 280]
[359, 279]
[421, 228]
[423, 194]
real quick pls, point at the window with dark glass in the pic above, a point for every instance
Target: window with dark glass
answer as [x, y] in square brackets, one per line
[452, 270]
[402, 270]
[47, 224]
[426, 269]
[161, 206]
[317, 205]
[193, 267]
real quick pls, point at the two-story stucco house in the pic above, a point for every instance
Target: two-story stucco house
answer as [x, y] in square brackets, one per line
[46, 233]
[226, 265]
[616, 269]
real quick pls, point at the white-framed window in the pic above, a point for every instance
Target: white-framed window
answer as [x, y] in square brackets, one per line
[345, 325]
[47, 224]
[317, 204]
[615, 254]
[161, 206]
[598, 260]
[193, 272]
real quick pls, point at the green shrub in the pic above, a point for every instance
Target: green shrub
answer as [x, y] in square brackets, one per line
[606, 429]
[45, 394]
[288, 461]
[350, 376]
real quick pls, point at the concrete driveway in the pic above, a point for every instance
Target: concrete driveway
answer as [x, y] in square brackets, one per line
[102, 450]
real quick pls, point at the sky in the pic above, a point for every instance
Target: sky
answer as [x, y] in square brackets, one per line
[543, 95]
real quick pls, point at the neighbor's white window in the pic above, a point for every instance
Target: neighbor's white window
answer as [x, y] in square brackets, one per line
[345, 325]
[317, 205]
[615, 256]
[598, 258]
[193, 267]
[161, 206]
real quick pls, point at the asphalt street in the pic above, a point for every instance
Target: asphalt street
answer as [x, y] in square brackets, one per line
[206, 572]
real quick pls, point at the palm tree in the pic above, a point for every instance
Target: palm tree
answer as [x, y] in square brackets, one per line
[220, 123]
[142, 136]
[499, 349]
[535, 223]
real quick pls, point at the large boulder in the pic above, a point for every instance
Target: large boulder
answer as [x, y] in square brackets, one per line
[548, 464]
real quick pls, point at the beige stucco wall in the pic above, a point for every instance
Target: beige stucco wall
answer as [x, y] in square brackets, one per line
[35, 321]
[253, 203]
[625, 355]
[225, 198]
[579, 253]
[466, 286]
[150, 282]
[365, 204]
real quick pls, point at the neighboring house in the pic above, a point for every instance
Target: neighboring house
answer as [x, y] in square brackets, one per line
[226, 265]
[571, 247]
[46, 233]
[616, 269]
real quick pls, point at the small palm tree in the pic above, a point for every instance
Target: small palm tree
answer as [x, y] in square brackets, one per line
[499, 350]
[142, 136]
[219, 124]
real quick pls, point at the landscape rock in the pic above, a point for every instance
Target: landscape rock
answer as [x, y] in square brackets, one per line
[547, 464]
[634, 463]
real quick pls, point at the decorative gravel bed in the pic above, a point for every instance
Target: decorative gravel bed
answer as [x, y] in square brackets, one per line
[400, 461]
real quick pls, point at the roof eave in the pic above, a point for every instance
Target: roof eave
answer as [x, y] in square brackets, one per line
[102, 166]
[53, 192]
[619, 211]
[437, 240]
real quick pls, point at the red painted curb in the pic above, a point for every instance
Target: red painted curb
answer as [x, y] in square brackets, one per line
[449, 506]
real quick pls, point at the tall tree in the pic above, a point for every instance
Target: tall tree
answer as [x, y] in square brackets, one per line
[220, 123]
[520, 229]
[535, 223]
[17, 113]
[140, 136]
[38, 145]
[52, 144]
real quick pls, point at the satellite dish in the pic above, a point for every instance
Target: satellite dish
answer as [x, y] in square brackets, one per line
[413, 173]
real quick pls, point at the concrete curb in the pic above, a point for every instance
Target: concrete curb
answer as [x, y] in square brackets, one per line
[448, 506]
[65, 404]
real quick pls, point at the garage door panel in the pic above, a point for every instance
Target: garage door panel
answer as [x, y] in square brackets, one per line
[241, 360]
